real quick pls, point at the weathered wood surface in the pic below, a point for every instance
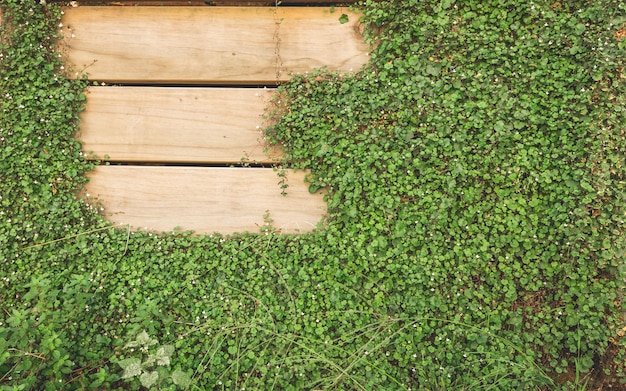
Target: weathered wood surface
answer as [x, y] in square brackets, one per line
[203, 199]
[192, 125]
[210, 45]
[176, 125]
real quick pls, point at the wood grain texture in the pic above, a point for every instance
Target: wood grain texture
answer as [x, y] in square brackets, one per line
[209, 45]
[204, 199]
[176, 125]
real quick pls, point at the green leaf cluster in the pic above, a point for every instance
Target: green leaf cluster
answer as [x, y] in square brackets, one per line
[149, 369]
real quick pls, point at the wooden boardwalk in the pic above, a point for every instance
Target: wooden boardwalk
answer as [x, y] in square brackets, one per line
[190, 88]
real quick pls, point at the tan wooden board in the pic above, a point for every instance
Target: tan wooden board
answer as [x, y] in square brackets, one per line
[209, 45]
[176, 125]
[204, 199]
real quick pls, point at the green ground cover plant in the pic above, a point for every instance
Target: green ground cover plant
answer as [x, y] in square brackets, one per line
[475, 237]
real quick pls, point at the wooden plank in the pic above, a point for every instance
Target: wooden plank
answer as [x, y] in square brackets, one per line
[209, 45]
[175, 125]
[203, 199]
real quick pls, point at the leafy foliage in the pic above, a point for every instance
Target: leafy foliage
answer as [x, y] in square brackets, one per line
[145, 367]
[475, 238]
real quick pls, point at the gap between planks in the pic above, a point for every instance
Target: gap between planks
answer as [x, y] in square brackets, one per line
[219, 3]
